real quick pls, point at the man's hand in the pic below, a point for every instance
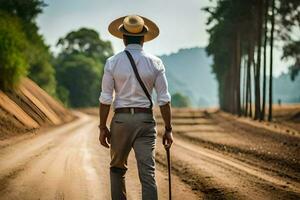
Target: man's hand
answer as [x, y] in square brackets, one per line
[104, 137]
[168, 139]
[166, 115]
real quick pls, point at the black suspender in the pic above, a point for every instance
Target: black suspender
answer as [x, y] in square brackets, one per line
[138, 77]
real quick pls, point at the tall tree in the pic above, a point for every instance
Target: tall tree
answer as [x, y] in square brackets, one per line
[231, 22]
[229, 30]
[263, 111]
[258, 60]
[87, 42]
[238, 74]
[79, 75]
[271, 61]
[79, 67]
[241, 28]
[250, 63]
[244, 88]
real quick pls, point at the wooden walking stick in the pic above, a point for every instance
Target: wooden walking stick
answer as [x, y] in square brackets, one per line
[169, 171]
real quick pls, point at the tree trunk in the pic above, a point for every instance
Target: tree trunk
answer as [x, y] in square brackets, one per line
[238, 74]
[244, 102]
[262, 116]
[271, 61]
[248, 82]
[258, 62]
[250, 93]
[232, 101]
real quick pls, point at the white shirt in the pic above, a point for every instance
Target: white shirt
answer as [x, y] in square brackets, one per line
[120, 79]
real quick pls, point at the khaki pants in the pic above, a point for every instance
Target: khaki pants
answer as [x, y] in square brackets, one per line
[135, 131]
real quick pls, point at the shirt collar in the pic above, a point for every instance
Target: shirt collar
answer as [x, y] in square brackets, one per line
[134, 47]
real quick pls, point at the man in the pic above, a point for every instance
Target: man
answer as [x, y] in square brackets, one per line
[133, 74]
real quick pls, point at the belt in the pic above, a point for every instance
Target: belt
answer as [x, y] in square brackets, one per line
[133, 110]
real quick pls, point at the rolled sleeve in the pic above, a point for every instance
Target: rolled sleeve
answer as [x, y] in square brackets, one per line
[161, 87]
[106, 96]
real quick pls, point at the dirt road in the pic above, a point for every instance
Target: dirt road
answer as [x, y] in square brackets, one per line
[225, 158]
[215, 156]
[68, 163]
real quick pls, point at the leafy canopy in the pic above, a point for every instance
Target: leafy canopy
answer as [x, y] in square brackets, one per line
[13, 62]
[87, 42]
[80, 76]
[27, 10]
[37, 54]
[79, 67]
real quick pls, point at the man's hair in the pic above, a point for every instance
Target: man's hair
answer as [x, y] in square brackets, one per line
[133, 39]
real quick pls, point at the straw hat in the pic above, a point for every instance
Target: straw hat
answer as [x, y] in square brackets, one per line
[134, 25]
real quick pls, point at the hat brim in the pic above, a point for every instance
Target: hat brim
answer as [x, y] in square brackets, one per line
[149, 32]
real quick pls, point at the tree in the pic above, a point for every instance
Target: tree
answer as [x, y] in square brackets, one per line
[79, 67]
[80, 76]
[292, 50]
[258, 60]
[38, 55]
[231, 22]
[179, 100]
[263, 110]
[289, 22]
[13, 62]
[87, 42]
[271, 61]
[26, 10]
[238, 30]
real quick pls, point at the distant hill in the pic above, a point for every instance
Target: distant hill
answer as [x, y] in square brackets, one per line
[286, 90]
[189, 73]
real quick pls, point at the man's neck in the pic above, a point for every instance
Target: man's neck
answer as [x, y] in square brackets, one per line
[134, 46]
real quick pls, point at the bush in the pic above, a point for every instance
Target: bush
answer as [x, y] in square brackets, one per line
[13, 44]
[179, 100]
[37, 54]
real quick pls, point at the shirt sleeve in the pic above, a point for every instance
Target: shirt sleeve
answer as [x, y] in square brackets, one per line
[106, 96]
[161, 86]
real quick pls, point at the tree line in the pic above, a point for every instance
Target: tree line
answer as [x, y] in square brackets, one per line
[73, 76]
[242, 37]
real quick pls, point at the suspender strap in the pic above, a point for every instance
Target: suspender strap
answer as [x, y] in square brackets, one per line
[138, 77]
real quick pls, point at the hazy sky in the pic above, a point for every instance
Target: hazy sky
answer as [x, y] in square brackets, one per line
[181, 22]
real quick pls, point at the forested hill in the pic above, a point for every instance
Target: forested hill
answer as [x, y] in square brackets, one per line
[189, 73]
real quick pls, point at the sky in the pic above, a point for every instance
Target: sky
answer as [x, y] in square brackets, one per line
[182, 23]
